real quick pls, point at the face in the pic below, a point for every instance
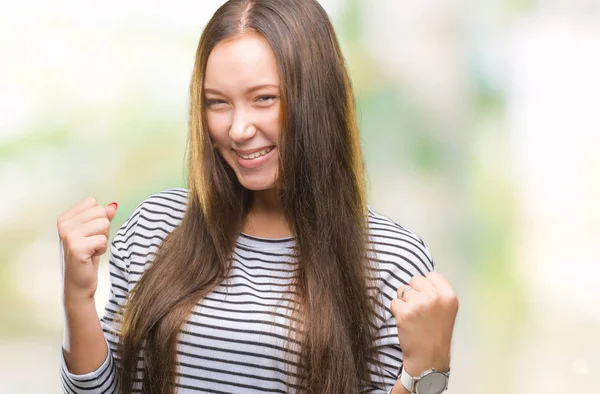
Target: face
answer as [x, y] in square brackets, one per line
[242, 103]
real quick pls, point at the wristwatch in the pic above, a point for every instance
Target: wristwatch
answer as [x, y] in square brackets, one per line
[431, 381]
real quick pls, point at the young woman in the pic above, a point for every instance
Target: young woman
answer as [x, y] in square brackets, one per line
[269, 272]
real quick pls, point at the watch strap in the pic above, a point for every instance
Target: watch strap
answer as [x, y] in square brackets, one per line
[407, 381]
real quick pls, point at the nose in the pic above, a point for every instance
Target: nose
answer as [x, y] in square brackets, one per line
[242, 127]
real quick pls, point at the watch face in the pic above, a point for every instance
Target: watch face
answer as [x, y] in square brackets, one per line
[433, 383]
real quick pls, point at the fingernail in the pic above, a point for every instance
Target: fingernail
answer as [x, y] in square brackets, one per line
[114, 203]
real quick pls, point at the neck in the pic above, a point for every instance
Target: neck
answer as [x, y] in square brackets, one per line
[266, 201]
[265, 217]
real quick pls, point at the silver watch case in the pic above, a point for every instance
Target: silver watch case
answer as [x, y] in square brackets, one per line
[432, 381]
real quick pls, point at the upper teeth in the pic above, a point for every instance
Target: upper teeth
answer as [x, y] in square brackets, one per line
[256, 154]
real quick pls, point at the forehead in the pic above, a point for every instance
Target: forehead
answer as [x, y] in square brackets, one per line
[239, 62]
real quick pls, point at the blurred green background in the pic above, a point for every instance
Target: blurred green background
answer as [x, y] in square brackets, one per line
[480, 129]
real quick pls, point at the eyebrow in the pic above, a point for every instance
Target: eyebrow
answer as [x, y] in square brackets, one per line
[249, 90]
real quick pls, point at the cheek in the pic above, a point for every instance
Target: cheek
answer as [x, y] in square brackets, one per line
[273, 126]
[217, 128]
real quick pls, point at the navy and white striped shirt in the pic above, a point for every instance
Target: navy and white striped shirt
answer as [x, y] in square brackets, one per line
[233, 341]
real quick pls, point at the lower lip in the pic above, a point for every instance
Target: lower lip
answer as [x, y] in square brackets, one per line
[253, 163]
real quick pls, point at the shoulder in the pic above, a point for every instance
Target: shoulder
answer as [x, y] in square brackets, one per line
[166, 206]
[151, 221]
[397, 249]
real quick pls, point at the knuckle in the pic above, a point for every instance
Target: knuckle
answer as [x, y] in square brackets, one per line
[61, 224]
[97, 211]
[68, 239]
[454, 302]
[400, 319]
[101, 211]
[432, 274]
[408, 312]
[450, 300]
[92, 200]
[420, 306]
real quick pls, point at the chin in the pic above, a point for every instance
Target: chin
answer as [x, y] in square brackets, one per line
[258, 181]
[256, 186]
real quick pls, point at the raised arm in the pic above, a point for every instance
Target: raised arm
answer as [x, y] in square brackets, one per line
[88, 362]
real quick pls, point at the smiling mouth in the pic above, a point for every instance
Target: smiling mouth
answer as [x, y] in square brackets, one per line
[255, 155]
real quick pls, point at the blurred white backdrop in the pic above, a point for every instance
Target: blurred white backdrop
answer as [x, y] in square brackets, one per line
[481, 133]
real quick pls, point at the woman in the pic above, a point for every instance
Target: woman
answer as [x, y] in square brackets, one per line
[269, 273]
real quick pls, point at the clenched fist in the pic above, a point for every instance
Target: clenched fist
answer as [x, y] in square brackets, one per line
[83, 233]
[425, 312]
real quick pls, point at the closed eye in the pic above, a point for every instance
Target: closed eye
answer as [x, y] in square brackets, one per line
[213, 102]
[266, 98]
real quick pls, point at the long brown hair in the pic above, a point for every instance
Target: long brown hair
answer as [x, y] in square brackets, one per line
[321, 184]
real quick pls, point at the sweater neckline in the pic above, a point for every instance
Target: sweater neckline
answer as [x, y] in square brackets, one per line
[266, 243]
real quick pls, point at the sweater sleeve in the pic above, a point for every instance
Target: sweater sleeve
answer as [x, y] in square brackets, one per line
[104, 378]
[397, 264]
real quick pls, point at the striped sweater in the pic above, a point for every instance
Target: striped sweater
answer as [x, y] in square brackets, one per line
[233, 341]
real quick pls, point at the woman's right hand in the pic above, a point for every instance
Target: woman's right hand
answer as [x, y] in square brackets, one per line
[83, 232]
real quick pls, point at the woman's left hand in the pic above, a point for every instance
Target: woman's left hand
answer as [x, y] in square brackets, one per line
[425, 317]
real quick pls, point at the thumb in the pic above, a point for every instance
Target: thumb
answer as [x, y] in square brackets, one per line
[111, 210]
